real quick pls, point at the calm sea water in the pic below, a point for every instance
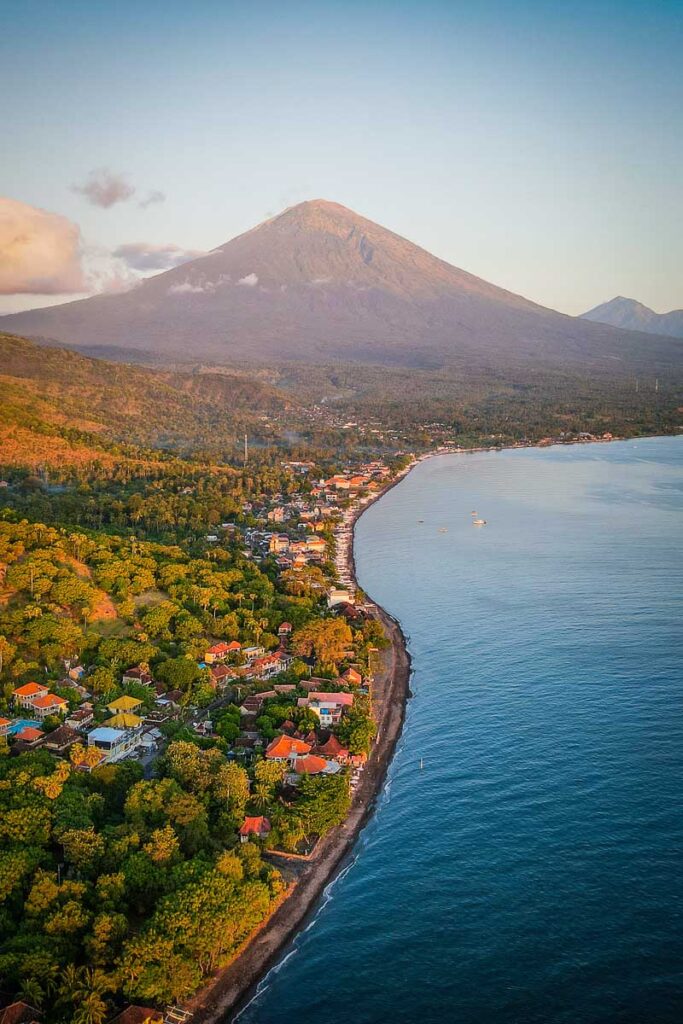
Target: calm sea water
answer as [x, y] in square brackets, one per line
[532, 870]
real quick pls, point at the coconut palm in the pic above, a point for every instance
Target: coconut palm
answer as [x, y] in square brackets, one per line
[31, 992]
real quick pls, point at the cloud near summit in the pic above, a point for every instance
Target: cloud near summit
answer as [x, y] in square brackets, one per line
[146, 256]
[40, 252]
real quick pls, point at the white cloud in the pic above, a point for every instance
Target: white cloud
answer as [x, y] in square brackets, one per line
[250, 280]
[40, 252]
[199, 286]
[186, 288]
[104, 188]
[146, 256]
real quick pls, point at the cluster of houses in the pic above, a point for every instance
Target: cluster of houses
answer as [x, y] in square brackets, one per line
[248, 663]
[300, 519]
[122, 732]
[307, 755]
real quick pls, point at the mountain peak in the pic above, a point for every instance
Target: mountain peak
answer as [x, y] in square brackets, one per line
[321, 214]
[632, 315]
[318, 283]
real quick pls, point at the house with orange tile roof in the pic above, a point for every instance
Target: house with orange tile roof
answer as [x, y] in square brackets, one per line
[24, 696]
[259, 827]
[29, 734]
[286, 748]
[50, 704]
[352, 677]
[5, 724]
[216, 652]
[309, 764]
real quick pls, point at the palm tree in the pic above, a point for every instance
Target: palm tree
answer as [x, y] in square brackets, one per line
[92, 1009]
[31, 992]
[71, 984]
[262, 795]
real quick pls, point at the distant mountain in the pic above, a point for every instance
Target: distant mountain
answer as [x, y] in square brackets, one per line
[634, 316]
[320, 284]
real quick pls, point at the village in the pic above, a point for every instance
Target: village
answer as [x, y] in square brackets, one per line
[269, 711]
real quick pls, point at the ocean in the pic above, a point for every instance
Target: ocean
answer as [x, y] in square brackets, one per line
[531, 871]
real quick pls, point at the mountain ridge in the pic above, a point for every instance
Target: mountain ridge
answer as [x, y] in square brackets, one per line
[320, 283]
[633, 315]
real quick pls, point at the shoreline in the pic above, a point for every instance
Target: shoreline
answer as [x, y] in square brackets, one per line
[223, 997]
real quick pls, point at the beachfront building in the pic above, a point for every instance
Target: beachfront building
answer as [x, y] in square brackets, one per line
[329, 707]
[337, 596]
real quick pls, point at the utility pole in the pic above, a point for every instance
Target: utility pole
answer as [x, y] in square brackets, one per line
[246, 449]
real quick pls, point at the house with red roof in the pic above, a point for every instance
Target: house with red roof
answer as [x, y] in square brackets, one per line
[309, 764]
[267, 666]
[24, 696]
[259, 827]
[81, 718]
[352, 677]
[333, 750]
[137, 675]
[221, 675]
[286, 748]
[215, 653]
[5, 724]
[50, 704]
[29, 735]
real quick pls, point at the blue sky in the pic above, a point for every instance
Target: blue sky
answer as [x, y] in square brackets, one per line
[538, 145]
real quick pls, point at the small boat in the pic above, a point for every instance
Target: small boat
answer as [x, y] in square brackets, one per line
[474, 512]
[478, 522]
[420, 520]
[443, 529]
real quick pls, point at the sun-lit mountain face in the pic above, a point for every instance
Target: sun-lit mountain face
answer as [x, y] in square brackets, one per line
[319, 283]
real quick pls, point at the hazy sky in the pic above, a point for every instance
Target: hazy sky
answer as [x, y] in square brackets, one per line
[538, 145]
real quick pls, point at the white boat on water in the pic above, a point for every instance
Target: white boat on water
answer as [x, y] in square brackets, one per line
[478, 522]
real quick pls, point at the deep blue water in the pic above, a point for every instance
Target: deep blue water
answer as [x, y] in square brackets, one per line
[532, 870]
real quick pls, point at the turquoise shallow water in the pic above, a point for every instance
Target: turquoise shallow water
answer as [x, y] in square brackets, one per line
[531, 871]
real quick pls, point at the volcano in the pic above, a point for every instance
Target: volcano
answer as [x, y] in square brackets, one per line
[321, 284]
